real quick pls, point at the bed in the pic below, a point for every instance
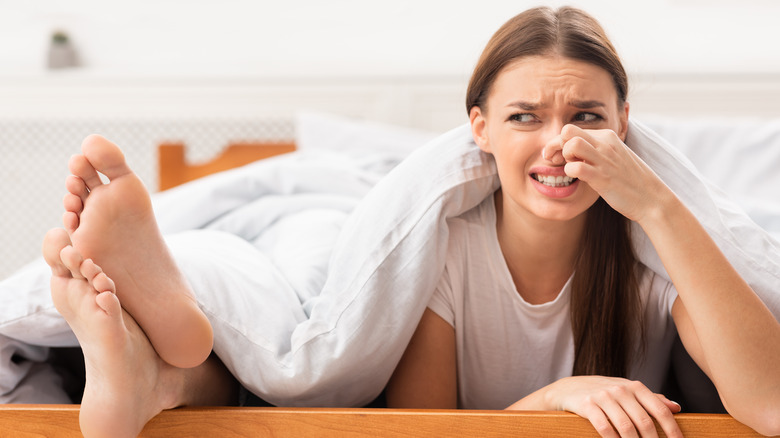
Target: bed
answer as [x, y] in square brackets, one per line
[62, 420]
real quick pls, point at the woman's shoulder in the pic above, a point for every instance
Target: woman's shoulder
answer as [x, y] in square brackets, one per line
[472, 231]
[483, 214]
[473, 251]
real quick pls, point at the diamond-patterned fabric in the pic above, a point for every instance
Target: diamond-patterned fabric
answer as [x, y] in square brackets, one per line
[34, 157]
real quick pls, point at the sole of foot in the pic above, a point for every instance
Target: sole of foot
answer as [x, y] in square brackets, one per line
[113, 224]
[126, 381]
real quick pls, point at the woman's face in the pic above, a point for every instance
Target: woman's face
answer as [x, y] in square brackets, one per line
[530, 102]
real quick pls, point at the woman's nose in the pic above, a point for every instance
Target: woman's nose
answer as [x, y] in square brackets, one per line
[553, 150]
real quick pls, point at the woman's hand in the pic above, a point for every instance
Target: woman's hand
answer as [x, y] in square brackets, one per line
[614, 406]
[601, 159]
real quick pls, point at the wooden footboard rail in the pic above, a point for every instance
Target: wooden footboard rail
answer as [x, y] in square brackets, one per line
[62, 421]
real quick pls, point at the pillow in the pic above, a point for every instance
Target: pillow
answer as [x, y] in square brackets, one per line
[328, 131]
[741, 157]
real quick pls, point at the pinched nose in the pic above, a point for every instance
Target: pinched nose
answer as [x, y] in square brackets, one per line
[553, 150]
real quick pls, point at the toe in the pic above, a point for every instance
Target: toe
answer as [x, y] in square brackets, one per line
[72, 203]
[102, 283]
[72, 260]
[105, 156]
[89, 270]
[76, 186]
[81, 167]
[96, 277]
[70, 221]
[53, 243]
[109, 303]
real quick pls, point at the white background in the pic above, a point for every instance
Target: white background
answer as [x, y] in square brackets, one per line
[358, 37]
[149, 65]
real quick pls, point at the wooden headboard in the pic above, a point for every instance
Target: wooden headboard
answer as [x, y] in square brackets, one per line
[62, 420]
[174, 169]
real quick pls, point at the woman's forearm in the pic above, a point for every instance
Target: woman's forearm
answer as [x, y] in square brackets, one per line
[738, 338]
[536, 401]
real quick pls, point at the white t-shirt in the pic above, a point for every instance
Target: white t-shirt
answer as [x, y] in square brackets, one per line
[508, 348]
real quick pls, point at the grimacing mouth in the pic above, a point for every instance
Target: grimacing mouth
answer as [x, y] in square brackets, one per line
[554, 181]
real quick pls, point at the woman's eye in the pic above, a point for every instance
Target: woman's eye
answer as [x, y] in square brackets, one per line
[522, 118]
[587, 118]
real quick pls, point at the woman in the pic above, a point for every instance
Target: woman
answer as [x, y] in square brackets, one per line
[542, 305]
[548, 100]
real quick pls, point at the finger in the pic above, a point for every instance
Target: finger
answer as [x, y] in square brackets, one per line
[595, 137]
[672, 405]
[599, 421]
[617, 415]
[663, 415]
[552, 150]
[571, 131]
[659, 410]
[641, 419]
[580, 170]
[579, 149]
[603, 143]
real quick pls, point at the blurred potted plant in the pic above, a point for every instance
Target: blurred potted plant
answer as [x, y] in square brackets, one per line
[61, 52]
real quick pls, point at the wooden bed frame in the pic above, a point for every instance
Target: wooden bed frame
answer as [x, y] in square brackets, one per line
[174, 169]
[62, 420]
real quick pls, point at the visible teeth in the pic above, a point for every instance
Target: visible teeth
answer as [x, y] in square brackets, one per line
[554, 181]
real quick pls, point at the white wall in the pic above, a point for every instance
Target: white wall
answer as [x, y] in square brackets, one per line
[225, 58]
[356, 37]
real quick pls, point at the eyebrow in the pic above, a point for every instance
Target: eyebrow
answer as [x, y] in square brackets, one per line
[585, 104]
[533, 106]
[526, 106]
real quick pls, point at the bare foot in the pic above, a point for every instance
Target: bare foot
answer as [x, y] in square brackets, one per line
[114, 225]
[127, 383]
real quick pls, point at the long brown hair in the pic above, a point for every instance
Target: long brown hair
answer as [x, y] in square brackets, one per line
[605, 306]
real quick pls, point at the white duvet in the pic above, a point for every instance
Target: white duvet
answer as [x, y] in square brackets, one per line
[314, 268]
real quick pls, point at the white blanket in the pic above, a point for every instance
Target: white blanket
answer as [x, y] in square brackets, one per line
[314, 274]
